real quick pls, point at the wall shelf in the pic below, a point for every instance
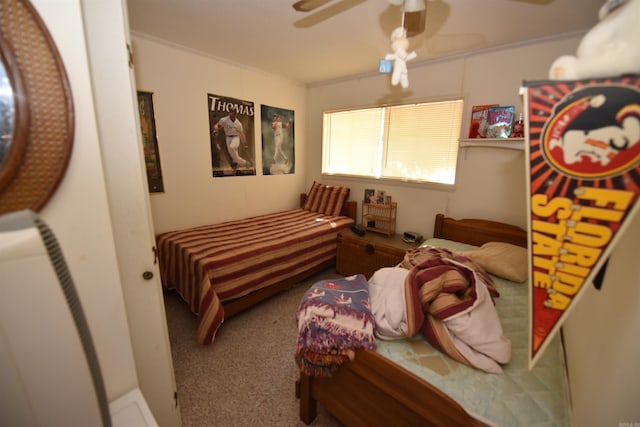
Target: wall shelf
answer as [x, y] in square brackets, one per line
[506, 143]
[379, 218]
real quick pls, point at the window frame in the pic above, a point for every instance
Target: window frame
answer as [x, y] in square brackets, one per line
[419, 183]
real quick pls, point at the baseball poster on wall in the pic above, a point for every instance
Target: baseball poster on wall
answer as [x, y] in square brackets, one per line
[232, 135]
[278, 141]
[583, 161]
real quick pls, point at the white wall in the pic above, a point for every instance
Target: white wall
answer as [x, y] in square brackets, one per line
[78, 213]
[490, 183]
[180, 81]
[602, 341]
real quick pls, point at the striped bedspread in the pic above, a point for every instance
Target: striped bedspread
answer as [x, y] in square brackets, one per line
[210, 264]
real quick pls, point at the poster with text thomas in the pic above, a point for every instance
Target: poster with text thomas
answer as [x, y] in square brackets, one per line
[232, 136]
[583, 161]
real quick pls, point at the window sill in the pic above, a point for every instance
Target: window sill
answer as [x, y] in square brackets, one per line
[341, 178]
[506, 143]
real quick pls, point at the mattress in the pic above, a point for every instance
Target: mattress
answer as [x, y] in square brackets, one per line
[519, 397]
[211, 264]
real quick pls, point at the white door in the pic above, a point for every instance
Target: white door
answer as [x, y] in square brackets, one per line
[107, 32]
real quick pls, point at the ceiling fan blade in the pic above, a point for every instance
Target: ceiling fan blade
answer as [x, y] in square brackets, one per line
[309, 5]
[326, 13]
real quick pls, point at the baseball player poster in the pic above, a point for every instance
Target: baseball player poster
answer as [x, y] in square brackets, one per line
[583, 161]
[278, 141]
[231, 130]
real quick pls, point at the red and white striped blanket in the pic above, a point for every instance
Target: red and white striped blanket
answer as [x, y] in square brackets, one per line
[450, 300]
[210, 264]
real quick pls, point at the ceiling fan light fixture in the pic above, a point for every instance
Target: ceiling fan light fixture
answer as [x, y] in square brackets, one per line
[414, 6]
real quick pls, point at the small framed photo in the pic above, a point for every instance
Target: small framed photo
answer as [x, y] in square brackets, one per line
[369, 195]
[380, 195]
[387, 200]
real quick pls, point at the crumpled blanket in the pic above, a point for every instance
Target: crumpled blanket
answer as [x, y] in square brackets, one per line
[386, 293]
[451, 301]
[334, 319]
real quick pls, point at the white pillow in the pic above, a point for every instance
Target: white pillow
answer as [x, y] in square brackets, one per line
[501, 259]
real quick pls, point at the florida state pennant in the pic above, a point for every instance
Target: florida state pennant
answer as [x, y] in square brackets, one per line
[583, 161]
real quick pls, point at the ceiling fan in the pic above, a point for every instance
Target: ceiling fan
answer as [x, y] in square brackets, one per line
[414, 12]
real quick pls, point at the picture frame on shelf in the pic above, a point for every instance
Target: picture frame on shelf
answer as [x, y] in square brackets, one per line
[369, 195]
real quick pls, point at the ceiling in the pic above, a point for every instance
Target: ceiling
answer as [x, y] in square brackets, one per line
[348, 37]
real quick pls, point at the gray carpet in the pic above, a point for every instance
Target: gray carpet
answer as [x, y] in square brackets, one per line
[247, 376]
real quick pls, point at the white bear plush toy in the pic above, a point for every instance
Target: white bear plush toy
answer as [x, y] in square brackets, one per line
[610, 48]
[400, 56]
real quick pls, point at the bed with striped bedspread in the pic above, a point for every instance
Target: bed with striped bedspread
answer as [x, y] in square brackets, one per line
[211, 264]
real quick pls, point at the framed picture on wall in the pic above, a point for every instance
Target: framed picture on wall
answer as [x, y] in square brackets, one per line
[232, 136]
[150, 142]
[278, 141]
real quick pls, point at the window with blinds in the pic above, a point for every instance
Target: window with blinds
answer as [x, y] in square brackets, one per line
[416, 142]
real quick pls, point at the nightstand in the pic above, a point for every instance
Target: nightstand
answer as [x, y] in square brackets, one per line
[369, 253]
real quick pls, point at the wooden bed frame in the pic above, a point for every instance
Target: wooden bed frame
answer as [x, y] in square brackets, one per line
[372, 390]
[240, 304]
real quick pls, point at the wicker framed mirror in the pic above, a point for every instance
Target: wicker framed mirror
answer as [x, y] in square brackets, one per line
[14, 116]
[38, 123]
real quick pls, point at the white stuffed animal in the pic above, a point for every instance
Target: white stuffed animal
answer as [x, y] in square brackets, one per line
[400, 56]
[609, 49]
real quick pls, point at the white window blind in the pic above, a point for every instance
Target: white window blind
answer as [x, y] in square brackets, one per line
[355, 147]
[417, 142]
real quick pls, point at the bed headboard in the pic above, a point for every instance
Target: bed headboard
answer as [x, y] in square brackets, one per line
[478, 231]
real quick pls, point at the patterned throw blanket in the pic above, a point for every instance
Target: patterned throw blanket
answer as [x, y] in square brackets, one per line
[334, 318]
[451, 301]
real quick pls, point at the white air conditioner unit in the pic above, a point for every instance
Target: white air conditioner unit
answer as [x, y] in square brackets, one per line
[49, 372]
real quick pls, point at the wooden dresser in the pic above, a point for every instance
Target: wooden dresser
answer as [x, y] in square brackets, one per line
[369, 253]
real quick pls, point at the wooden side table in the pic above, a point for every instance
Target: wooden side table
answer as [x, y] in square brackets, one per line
[369, 253]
